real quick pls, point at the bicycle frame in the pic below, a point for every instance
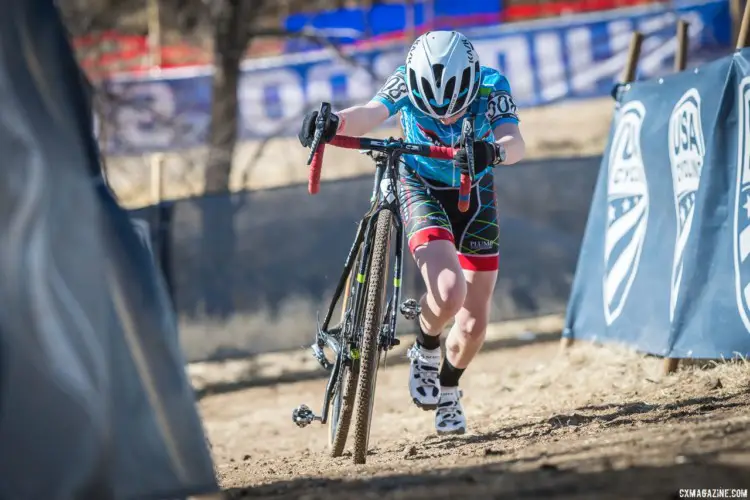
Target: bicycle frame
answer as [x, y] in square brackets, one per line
[346, 346]
[345, 343]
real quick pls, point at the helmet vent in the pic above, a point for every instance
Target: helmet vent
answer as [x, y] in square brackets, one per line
[450, 86]
[443, 73]
[429, 95]
[465, 81]
[437, 70]
[413, 83]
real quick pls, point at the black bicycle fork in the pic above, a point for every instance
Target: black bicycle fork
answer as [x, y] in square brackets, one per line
[346, 342]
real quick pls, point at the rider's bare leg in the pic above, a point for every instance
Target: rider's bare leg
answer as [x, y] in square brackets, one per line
[467, 334]
[463, 342]
[446, 292]
[446, 285]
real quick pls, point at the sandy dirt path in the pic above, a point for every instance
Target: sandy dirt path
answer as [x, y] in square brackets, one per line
[593, 423]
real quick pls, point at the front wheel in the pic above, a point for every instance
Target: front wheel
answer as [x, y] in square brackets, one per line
[369, 347]
[346, 388]
[342, 409]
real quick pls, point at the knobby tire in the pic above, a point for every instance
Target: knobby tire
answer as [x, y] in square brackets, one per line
[370, 348]
[342, 406]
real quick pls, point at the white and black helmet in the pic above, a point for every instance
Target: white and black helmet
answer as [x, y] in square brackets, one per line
[442, 73]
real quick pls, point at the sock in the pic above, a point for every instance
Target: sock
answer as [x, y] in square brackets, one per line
[425, 341]
[449, 374]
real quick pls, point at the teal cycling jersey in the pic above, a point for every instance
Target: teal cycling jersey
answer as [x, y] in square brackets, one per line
[493, 106]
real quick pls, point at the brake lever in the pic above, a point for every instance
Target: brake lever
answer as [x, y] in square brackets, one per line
[467, 136]
[467, 178]
[320, 125]
[314, 146]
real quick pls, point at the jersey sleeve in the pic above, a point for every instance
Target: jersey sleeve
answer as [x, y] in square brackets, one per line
[500, 105]
[394, 94]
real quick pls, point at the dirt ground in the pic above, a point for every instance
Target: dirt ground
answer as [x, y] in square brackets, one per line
[591, 422]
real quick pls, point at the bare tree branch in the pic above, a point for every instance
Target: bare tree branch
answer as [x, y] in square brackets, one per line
[316, 36]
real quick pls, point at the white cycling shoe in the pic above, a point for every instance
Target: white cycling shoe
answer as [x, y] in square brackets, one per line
[450, 418]
[424, 386]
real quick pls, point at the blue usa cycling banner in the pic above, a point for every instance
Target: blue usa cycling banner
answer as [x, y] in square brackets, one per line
[544, 61]
[665, 260]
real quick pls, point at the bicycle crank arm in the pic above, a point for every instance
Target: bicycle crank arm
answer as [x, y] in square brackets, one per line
[304, 416]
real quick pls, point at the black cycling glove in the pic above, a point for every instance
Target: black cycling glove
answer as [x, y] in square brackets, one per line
[486, 154]
[307, 132]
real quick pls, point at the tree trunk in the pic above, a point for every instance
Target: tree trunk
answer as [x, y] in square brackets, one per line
[231, 38]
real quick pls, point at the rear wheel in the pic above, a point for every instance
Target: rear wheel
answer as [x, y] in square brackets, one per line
[342, 406]
[370, 348]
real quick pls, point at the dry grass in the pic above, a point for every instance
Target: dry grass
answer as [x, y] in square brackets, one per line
[612, 374]
[590, 371]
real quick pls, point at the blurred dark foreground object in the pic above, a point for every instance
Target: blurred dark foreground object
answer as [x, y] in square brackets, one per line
[94, 399]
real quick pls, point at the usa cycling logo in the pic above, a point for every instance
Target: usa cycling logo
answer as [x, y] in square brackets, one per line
[686, 151]
[742, 206]
[627, 210]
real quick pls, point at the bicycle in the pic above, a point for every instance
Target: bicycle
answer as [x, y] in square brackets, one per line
[366, 330]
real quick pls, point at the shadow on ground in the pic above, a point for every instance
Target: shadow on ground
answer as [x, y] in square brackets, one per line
[235, 263]
[629, 450]
[251, 378]
[606, 416]
[497, 481]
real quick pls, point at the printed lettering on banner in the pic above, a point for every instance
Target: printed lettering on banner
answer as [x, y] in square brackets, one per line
[742, 205]
[256, 117]
[148, 120]
[511, 54]
[686, 151]
[627, 210]
[543, 62]
[358, 86]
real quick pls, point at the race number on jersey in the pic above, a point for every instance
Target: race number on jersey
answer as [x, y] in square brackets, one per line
[500, 105]
[394, 89]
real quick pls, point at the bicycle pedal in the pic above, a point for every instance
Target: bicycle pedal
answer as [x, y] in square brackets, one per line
[303, 416]
[410, 308]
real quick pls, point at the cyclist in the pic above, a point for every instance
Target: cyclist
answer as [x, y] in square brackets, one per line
[457, 253]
